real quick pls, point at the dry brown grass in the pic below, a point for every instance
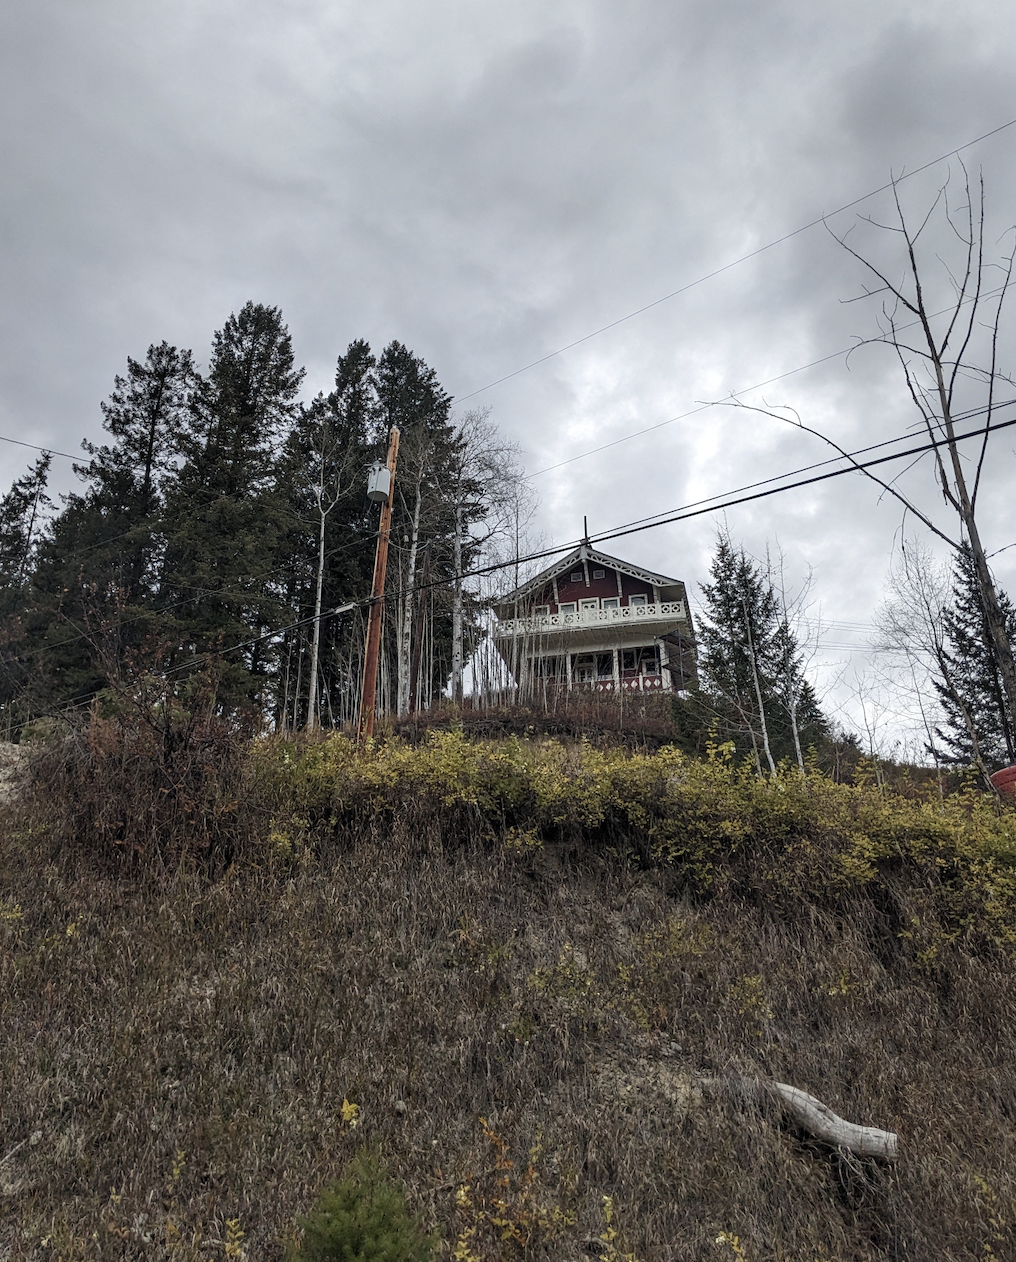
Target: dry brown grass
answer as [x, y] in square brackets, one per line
[522, 1034]
[638, 720]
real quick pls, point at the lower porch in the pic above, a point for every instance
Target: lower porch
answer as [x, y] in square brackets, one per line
[640, 669]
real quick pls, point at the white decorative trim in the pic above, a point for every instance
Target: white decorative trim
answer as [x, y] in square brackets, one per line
[597, 558]
[554, 622]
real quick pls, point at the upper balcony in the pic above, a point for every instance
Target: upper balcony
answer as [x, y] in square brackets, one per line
[654, 620]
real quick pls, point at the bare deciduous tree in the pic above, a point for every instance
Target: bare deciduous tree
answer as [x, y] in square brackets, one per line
[490, 496]
[950, 359]
[953, 348]
[911, 628]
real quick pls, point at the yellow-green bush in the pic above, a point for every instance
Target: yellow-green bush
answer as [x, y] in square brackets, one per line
[714, 825]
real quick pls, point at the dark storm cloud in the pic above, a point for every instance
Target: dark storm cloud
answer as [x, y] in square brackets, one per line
[487, 184]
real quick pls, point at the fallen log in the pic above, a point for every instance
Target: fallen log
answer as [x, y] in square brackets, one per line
[819, 1120]
[813, 1116]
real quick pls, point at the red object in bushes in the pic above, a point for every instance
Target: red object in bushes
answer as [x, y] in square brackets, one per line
[1005, 781]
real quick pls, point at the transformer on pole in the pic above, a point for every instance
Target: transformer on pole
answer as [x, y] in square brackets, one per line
[380, 485]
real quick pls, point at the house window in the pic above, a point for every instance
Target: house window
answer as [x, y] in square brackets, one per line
[637, 600]
[588, 605]
[567, 607]
[541, 611]
[576, 578]
[610, 602]
[648, 660]
[599, 574]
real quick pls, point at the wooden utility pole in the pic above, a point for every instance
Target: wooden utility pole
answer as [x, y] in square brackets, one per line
[421, 625]
[377, 595]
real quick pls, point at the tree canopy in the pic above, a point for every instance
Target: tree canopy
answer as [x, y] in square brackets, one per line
[220, 521]
[752, 688]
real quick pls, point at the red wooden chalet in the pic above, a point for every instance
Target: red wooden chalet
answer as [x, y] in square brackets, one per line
[594, 621]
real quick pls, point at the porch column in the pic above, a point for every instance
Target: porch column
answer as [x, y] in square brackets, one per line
[617, 672]
[665, 680]
[567, 669]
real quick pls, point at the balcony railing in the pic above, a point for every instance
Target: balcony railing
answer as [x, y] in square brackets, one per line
[548, 624]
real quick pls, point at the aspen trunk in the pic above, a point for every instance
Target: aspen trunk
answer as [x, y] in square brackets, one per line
[315, 652]
[406, 637]
[993, 615]
[457, 611]
[959, 496]
[758, 697]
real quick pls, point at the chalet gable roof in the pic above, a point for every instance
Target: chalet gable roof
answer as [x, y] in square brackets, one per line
[585, 553]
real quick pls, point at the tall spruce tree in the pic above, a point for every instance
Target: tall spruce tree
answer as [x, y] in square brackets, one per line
[970, 687]
[23, 515]
[96, 579]
[225, 515]
[752, 683]
[145, 415]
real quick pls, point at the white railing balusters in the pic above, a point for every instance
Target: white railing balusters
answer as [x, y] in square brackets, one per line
[664, 610]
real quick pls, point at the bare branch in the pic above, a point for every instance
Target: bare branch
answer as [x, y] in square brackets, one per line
[799, 424]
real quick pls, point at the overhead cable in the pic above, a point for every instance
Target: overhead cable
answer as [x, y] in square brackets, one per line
[744, 258]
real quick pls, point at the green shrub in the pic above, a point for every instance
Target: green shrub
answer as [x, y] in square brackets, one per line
[363, 1218]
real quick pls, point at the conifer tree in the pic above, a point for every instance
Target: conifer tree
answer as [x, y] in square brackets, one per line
[970, 687]
[751, 673]
[363, 1218]
[145, 415]
[96, 580]
[23, 513]
[225, 516]
[410, 396]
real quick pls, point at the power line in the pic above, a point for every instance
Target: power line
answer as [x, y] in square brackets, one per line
[683, 515]
[148, 612]
[49, 451]
[736, 394]
[932, 445]
[744, 258]
[819, 464]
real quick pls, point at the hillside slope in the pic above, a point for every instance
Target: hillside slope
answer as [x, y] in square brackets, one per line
[530, 974]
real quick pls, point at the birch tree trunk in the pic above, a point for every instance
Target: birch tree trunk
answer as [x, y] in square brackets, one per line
[819, 1120]
[758, 696]
[312, 701]
[457, 610]
[796, 732]
[405, 646]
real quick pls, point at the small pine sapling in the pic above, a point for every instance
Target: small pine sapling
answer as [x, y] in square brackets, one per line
[363, 1218]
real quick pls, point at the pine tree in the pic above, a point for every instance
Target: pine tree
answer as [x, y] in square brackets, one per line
[751, 674]
[363, 1218]
[225, 515]
[145, 415]
[95, 584]
[970, 685]
[23, 513]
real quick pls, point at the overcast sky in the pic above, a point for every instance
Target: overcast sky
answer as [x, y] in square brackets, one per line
[488, 183]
